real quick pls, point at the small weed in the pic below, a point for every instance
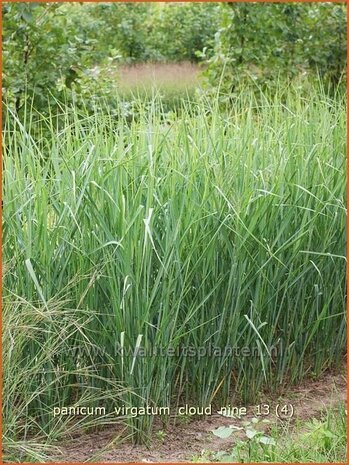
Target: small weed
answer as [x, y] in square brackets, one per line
[161, 435]
[315, 441]
[204, 456]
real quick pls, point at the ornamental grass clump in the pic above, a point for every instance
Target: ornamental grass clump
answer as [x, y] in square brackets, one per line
[203, 257]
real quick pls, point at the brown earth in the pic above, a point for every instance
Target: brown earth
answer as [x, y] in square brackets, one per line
[186, 441]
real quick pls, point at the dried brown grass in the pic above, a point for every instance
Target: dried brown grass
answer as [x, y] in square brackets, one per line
[180, 76]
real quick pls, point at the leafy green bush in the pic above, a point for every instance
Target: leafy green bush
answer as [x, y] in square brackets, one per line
[50, 49]
[41, 48]
[179, 31]
[265, 41]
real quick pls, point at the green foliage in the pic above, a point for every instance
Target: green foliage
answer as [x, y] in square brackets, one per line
[250, 430]
[123, 29]
[51, 49]
[180, 31]
[254, 439]
[265, 41]
[223, 229]
[128, 227]
[41, 47]
[316, 441]
[141, 32]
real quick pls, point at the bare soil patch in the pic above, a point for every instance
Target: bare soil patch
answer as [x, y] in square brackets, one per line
[182, 442]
